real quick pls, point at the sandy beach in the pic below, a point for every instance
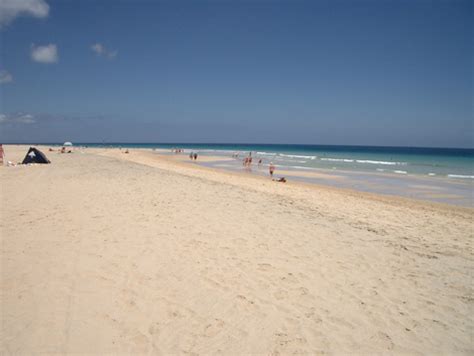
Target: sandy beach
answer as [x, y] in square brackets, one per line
[106, 252]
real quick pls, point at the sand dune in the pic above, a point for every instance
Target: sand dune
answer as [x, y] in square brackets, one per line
[104, 252]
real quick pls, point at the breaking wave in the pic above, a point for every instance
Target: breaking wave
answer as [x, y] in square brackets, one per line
[381, 162]
[337, 160]
[364, 161]
[460, 176]
[297, 156]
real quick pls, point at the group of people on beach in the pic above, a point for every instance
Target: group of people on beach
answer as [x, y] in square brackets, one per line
[247, 163]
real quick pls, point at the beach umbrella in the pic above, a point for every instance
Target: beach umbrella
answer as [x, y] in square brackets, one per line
[67, 143]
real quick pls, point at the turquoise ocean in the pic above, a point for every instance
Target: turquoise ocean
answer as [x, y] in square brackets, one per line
[453, 163]
[437, 174]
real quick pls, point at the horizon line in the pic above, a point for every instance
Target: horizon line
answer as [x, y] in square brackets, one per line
[233, 143]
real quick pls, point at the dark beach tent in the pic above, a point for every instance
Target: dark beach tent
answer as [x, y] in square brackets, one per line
[35, 156]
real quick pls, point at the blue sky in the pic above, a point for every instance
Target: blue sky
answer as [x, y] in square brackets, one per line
[315, 72]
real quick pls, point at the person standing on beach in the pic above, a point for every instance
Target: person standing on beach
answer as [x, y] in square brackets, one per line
[195, 156]
[271, 169]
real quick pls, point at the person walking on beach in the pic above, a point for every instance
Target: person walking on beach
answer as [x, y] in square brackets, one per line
[191, 156]
[195, 156]
[271, 169]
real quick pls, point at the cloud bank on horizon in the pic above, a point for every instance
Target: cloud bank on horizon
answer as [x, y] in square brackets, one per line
[17, 118]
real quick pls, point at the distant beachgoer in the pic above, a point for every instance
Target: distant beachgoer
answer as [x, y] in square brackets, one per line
[191, 156]
[195, 156]
[281, 180]
[271, 169]
[259, 162]
[126, 151]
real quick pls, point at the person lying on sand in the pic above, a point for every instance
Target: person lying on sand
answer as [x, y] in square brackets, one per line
[281, 180]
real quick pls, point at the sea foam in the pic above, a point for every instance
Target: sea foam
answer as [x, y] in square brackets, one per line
[337, 160]
[363, 161]
[297, 156]
[367, 161]
[460, 176]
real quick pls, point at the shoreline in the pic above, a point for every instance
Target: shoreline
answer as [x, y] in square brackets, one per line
[439, 189]
[204, 151]
[183, 159]
[202, 164]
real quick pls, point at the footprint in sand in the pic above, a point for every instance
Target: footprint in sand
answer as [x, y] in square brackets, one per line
[154, 329]
[214, 328]
[245, 300]
[281, 294]
[265, 267]
[290, 344]
[382, 339]
[138, 343]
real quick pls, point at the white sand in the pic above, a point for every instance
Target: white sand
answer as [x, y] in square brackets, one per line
[104, 252]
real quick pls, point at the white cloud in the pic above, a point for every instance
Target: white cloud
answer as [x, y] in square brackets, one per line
[100, 50]
[18, 118]
[5, 77]
[10, 9]
[44, 54]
